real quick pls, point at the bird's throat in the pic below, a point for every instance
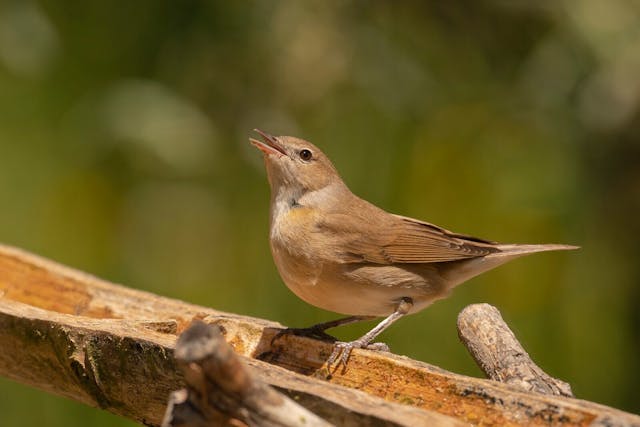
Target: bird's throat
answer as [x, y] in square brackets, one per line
[283, 202]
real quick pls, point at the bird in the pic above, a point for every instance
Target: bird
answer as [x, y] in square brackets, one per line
[343, 254]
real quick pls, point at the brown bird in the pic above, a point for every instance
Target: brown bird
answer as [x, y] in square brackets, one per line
[341, 253]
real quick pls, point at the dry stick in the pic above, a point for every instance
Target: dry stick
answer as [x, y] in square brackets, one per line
[221, 391]
[498, 353]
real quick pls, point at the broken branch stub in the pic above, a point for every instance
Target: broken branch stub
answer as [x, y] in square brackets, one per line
[500, 356]
[220, 390]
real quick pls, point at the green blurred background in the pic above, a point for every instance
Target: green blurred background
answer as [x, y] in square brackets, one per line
[124, 153]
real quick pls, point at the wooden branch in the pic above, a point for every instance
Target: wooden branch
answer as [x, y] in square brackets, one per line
[221, 391]
[498, 353]
[112, 347]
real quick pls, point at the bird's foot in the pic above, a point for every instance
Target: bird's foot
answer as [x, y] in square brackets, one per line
[342, 350]
[311, 332]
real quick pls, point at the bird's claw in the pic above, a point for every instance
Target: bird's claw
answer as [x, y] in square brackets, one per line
[342, 350]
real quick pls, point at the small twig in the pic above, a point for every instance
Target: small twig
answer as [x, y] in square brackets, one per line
[220, 390]
[498, 353]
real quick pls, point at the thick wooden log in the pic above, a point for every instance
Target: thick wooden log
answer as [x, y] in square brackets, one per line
[112, 347]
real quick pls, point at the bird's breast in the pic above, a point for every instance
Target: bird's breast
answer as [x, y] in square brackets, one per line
[292, 228]
[293, 244]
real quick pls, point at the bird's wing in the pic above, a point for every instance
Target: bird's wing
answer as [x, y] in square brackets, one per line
[400, 240]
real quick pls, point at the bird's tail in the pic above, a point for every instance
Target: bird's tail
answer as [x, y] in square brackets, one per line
[462, 271]
[516, 249]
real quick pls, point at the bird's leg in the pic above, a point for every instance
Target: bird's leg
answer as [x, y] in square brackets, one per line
[318, 331]
[342, 350]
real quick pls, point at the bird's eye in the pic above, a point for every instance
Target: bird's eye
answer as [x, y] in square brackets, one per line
[305, 155]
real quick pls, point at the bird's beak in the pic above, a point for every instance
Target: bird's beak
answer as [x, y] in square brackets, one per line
[271, 145]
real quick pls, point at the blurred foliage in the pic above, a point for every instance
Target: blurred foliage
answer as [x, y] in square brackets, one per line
[123, 152]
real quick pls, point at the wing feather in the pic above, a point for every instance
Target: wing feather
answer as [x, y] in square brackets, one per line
[399, 240]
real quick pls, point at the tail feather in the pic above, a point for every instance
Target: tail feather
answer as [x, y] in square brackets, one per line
[461, 271]
[517, 249]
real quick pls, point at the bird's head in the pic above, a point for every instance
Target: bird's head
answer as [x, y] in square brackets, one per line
[295, 165]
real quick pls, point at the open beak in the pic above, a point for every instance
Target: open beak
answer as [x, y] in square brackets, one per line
[271, 145]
